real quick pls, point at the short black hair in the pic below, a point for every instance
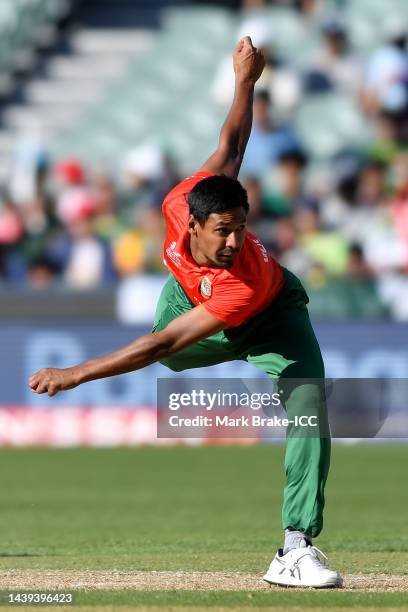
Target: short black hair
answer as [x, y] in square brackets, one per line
[216, 194]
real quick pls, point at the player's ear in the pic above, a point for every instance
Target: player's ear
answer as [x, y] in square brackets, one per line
[192, 225]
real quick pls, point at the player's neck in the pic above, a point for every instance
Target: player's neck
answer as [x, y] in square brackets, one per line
[196, 253]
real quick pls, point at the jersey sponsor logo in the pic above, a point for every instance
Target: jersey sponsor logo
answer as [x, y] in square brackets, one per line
[264, 252]
[205, 287]
[173, 255]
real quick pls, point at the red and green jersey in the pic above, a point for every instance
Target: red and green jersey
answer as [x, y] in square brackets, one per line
[233, 295]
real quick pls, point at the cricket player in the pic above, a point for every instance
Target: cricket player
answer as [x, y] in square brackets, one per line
[226, 298]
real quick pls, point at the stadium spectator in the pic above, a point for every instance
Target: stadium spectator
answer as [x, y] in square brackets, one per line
[341, 197]
[108, 223]
[144, 171]
[385, 247]
[40, 225]
[283, 186]
[84, 259]
[357, 266]
[286, 247]
[148, 175]
[334, 65]
[12, 263]
[257, 222]
[351, 210]
[129, 253]
[386, 142]
[372, 183]
[29, 166]
[310, 10]
[385, 85]
[41, 273]
[254, 191]
[279, 78]
[326, 250]
[253, 4]
[267, 142]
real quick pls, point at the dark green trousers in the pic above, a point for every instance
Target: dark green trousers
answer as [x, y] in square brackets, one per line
[281, 342]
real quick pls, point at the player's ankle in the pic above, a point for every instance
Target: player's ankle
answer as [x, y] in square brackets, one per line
[295, 539]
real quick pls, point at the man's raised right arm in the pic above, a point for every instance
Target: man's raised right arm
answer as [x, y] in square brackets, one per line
[248, 66]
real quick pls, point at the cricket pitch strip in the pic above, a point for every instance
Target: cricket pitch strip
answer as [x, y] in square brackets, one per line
[177, 580]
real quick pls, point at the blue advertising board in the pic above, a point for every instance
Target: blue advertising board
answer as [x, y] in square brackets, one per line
[351, 350]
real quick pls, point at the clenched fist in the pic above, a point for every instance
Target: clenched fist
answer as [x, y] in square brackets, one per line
[53, 380]
[248, 61]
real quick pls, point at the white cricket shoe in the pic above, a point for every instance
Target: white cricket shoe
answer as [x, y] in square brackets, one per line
[302, 567]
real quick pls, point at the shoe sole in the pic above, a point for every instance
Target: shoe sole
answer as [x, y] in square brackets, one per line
[338, 583]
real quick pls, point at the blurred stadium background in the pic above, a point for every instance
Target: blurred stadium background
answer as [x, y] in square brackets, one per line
[106, 104]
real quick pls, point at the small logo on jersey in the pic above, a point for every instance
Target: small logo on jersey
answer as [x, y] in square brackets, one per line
[173, 255]
[264, 252]
[205, 287]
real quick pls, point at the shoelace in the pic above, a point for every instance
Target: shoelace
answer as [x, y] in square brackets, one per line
[317, 556]
[317, 552]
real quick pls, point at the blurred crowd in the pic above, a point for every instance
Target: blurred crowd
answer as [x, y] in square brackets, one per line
[66, 224]
[80, 227]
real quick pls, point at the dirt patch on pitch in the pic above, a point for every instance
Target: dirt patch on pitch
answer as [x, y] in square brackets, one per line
[166, 581]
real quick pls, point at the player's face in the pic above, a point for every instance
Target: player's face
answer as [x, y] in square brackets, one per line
[222, 236]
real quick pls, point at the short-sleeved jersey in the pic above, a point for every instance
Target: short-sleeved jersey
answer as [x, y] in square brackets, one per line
[233, 295]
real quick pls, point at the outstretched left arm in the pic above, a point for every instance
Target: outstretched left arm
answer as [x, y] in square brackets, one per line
[248, 66]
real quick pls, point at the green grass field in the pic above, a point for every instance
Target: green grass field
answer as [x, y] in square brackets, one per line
[197, 509]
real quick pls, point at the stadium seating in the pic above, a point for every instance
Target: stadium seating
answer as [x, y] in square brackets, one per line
[23, 24]
[109, 114]
[145, 102]
[134, 71]
[329, 122]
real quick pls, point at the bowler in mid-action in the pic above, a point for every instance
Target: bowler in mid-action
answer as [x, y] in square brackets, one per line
[226, 298]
